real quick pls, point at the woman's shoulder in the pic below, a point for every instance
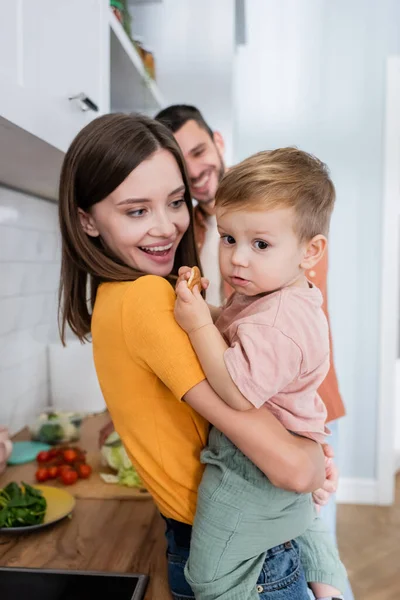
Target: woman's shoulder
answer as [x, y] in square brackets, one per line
[147, 312]
[149, 291]
[143, 295]
[147, 302]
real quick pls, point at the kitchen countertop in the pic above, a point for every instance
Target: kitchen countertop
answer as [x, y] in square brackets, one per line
[124, 536]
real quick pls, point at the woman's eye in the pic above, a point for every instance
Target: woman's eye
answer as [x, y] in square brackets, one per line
[136, 213]
[261, 245]
[228, 239]
[177, 203]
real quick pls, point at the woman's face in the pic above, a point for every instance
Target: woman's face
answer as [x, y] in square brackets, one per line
[144, 219]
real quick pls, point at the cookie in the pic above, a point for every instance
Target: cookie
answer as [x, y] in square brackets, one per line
[194, 279]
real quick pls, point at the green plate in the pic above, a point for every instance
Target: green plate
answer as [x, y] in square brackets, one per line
[24, 452]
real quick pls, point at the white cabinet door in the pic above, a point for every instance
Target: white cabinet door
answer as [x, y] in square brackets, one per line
[9, 34]
[64, 53]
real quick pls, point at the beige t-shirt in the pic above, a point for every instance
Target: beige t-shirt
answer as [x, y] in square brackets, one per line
[210, 261]
[279, 354]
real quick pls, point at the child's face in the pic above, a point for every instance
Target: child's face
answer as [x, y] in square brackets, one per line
[259, 251]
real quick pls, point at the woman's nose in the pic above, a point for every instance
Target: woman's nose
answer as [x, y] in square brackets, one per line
[163, 226]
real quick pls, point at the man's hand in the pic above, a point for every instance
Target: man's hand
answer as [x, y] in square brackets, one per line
[184, 275]
[105, 432]
[191, 310]
[322, 496]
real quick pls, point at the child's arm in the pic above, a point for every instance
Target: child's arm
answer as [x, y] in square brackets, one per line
[210, 348]
[195, 317]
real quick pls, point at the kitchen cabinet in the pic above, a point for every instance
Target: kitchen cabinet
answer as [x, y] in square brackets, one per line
[8, 41]
[52, 53]
[64, 50]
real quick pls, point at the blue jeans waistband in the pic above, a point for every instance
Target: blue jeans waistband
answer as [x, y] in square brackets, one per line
[182, 532]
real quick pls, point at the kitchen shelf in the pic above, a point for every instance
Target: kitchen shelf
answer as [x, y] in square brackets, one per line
[34, 135]
[130, 84]
[28, 163]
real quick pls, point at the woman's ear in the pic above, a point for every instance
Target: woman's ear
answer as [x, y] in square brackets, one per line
[314, 251]
[87, 223]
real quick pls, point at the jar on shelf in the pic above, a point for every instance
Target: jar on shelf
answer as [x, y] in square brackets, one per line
[118, 10]
[138, 43]
[149, 62]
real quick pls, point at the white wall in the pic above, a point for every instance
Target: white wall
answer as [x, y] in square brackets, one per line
[313, 75]
[193, 41]
[29, 271]
[35, 370]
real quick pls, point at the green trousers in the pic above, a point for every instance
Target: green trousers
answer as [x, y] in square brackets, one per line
[240, 515]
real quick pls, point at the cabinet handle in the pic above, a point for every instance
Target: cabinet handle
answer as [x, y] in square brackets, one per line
[85, 102]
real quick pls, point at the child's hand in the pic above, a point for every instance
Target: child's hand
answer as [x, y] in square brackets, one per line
[191, 310]
[184, 274]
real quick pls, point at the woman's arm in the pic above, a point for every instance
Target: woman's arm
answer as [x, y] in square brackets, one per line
[290, 462]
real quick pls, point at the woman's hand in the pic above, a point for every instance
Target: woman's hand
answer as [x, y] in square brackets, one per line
[290, 462]
[5, 448]
[184, 275]
[191, 310]
[322, 496]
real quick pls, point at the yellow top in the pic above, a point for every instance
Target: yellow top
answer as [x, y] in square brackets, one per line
[145, 365]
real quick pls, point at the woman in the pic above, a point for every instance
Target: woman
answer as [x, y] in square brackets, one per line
[126, 217]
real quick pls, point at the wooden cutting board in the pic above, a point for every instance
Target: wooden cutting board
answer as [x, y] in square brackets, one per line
[92, 488]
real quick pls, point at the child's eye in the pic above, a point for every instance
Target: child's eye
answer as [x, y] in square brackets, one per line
[261, 245]
[228, 239]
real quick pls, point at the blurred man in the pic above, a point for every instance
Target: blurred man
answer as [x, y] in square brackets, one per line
[203, 151]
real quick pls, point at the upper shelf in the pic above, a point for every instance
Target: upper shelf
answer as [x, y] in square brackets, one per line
[130, 83]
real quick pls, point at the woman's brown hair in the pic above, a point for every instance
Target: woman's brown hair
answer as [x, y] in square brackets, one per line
[99, 159]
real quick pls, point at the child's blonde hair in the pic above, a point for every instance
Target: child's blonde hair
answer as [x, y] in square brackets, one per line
[283, 178]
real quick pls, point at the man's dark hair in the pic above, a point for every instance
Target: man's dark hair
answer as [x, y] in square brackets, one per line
[176, 116]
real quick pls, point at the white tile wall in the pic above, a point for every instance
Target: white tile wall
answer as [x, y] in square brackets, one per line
[29, 270]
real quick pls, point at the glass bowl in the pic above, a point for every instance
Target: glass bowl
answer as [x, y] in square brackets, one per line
[56, 427]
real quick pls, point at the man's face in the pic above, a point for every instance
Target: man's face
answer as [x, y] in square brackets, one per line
[204, 163]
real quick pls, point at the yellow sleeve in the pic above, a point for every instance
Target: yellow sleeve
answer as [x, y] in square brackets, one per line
[153, 336]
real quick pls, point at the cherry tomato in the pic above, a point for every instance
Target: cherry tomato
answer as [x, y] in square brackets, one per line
[84, 471]
[63, 468]
[69, 477]
[42, 457]
[52, 472]
[54, 453]
[70, 455]
[42, 474]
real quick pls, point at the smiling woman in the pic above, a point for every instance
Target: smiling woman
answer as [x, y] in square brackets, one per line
[143, 232]
[117, 220]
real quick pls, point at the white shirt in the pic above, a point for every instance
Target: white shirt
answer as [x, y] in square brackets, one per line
[210, 263]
